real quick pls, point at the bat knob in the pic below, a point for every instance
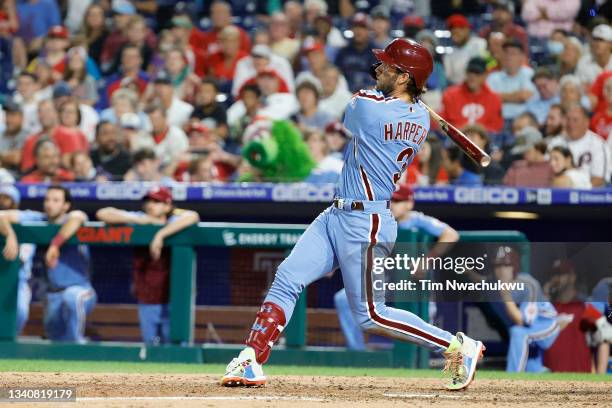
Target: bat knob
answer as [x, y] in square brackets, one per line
[485, 160]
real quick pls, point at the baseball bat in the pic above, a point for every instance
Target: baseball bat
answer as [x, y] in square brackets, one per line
[470, 148]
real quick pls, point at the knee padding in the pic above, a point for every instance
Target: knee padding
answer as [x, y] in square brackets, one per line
[268, 326]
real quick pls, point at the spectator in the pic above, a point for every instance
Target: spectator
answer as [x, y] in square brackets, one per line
[553, 126]
[124, 101]
[503, 22]
[83, 169]
[337, 139]
[513, 82]
[122, 11]
[412, 25]
[547, 86]
[94, 31]
[261, 59]
[494, 172]
[145, 167]
[129, 72]
[569, 57]
[465, 47]
[132, 134]
[317, 62]
[355, 59]
[47, 165]
[70, 118]
[598, 60]
[572, 92]
[596, 96]
[277, 104]
[28, 95]
[9, 201]
[534, 170]
[189, 39]
[530, 313]
[184, 81]
[309, 115]
[167, 140]
[327, 34]
[328, 167]
[251, 101]
[178, 111]
[151, 266]
[222, 64]
[495, 50]
[66, 140]
[69, 294]
[13, 137]
[334, 92]
[54, 52]
[458, 175]
[473, 101]
[588, 149]
[201, 170]
[82, 84]
[89, 118]
[294, 12]
[545, 16]
[601, 123]
[282, 44]
[109, 155]
[381, 24]
[566, 174]
[210, 112]
[36, 19]
[221, 17]
[136, 35]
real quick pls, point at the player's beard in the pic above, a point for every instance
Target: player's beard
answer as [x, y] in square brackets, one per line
[386, 85]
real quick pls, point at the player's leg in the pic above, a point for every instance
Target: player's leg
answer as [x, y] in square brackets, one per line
[359, 240]
[24, 297]
[311, 258]
[55, 326]
[78, 301]
[351, 330]
[149, 321]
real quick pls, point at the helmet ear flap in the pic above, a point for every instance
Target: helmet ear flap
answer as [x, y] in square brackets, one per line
[373, 69]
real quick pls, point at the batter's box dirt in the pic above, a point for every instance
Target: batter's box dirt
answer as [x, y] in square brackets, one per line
[193, 390]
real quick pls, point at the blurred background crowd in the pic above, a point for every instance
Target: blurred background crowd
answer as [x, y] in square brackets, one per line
[165, 91]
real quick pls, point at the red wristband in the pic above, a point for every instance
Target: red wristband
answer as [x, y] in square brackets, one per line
[58, 241]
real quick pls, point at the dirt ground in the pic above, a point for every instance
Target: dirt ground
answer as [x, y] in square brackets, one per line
[187, 390]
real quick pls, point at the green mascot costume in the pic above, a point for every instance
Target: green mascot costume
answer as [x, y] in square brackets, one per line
[276, 148]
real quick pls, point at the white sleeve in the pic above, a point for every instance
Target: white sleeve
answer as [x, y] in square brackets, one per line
[600, 165]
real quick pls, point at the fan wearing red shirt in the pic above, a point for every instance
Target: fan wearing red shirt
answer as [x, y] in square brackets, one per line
[47, 166]
[222, 64]
[601, 123]
[221, 17]
[473, 101]
[67, 141]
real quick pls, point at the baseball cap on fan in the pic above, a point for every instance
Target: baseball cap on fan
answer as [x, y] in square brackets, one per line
[526, 138]
[458, 21]
[261, 51]
[11, 192]
[602, 32]
[477, 65]
[58, 31]
[158, 193]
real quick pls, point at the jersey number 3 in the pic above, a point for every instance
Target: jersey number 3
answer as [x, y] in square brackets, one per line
[404, 157]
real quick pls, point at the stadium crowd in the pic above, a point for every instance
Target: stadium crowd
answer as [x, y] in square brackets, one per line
[163, 91]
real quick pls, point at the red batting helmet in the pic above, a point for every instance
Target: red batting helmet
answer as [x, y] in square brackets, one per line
[407, 56]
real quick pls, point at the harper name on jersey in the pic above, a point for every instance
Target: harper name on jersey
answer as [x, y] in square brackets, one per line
[405, 131]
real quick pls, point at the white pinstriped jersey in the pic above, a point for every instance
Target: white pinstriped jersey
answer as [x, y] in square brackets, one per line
[387, 134]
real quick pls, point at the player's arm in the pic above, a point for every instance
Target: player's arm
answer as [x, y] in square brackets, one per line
[11, 245]
[74, 220]
[185, 219]
[111, 215]
[448, 236]
[514, 312]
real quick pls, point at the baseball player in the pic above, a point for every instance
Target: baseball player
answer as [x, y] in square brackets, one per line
[9, 200]
[535, 325]
[402, 204]
[151, 282]
[69, 294]
[388, 127]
